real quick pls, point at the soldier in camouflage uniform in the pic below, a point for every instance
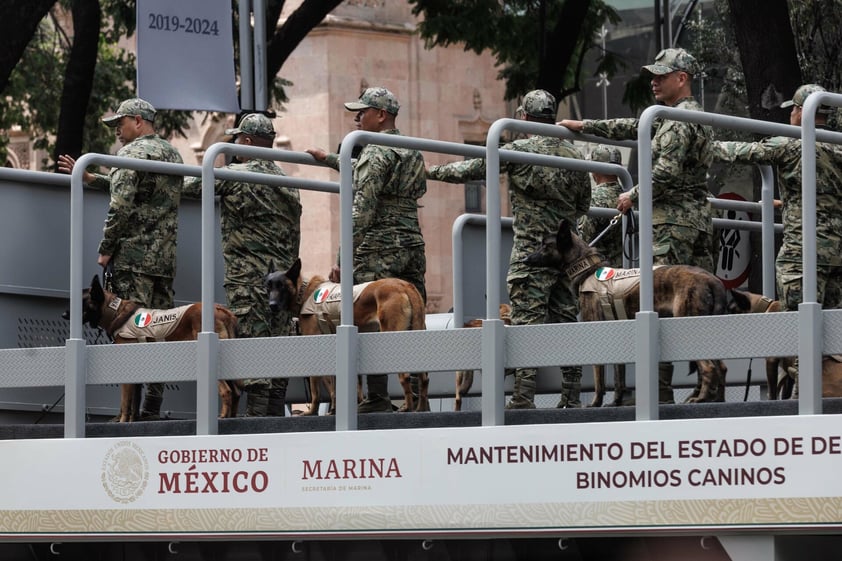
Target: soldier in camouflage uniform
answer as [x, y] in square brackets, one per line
[388, 182]
[540, 198]
[785, 154]
[682, 231]
[141, 227]
[604, 195]
[261, 227]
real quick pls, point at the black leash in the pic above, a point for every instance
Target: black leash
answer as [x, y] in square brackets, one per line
[748, 380]
[628, 241]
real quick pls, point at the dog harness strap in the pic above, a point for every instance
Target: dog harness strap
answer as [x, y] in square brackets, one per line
[768, 302]
[607, 309]
[581, 265]
[115, 304]
[620, 309]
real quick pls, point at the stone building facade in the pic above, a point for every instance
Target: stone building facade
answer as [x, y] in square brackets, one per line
[445, 93]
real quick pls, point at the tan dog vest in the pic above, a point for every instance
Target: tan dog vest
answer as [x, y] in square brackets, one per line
[612, 285]
[326, 304]
[148, 324]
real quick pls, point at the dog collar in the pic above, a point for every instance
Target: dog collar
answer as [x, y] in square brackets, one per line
[115, 304]
[581, 265]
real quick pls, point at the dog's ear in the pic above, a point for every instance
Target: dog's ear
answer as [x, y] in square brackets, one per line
[271, 267]
[739, 302]
[295, 271]
[97, 294]
[564, 236]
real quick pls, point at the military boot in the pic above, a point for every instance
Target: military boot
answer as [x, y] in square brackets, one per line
[523, 395]
[378, 400]
[571, 387]
[276, 406]
[151, 409]
[665, 394]
[257, 400]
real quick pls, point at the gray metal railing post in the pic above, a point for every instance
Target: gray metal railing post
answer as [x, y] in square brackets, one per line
[810, 318]
[767, 239]
[76, 367]
[346, 332]
[493, 360]
[207, 347]
[647, 332]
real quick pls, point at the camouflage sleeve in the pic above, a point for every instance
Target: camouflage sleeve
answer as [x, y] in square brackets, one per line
[458, 172]
[583, 203]
[100, 182]
[674, 139]
[332, 161]
[617, 129]
[192, 188]
[118, 219]
[764, 152]
[371, 176]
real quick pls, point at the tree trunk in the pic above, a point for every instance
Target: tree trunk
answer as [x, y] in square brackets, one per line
[560, 46]
[767, 52]
[293, 31]
[78, 78]
[18, 21]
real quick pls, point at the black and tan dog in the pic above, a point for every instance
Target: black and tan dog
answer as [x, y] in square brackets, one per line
[680, 291]
[782, 385]
[382, 305]
[126, 322]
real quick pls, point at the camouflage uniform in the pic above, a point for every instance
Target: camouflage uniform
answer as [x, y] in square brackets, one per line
[540, 197]
[604, 195]
[682, 230]
[141, 226]
[388, 182]
[387, 235]
[261, 226]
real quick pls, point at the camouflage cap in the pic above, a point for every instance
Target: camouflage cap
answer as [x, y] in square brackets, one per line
[670, 60]
[256, 124]
[130, 108]
[539, 104]
[376, 98]
[605, 153]
[801, 95]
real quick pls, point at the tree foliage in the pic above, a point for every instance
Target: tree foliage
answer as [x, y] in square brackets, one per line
[62, 67]
[760, 51]
[536, 43]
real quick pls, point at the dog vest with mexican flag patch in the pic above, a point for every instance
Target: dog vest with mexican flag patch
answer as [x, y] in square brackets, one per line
[326, 304]
[148, 324]
[612, 285]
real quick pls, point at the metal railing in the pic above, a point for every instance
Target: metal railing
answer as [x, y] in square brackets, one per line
[645, 340]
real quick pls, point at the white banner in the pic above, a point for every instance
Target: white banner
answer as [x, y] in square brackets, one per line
[747, 473]
[185, 55]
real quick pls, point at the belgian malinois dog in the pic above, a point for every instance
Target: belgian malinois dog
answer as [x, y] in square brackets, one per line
[465, 378]
[382, 305]
[782, 386]
[126, 322]
[680, 291]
